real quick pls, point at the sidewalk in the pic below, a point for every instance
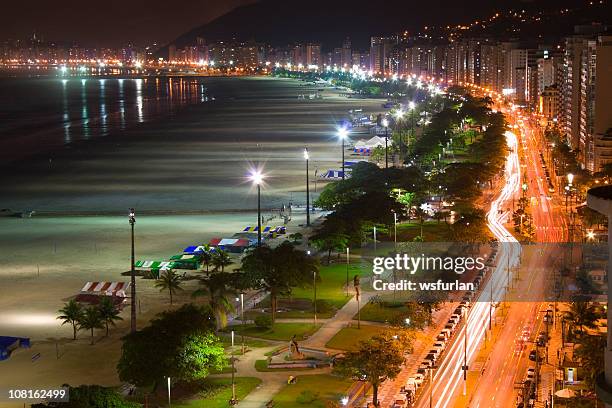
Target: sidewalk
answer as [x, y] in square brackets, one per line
[341, 320]
[273, 382]
[547, 372]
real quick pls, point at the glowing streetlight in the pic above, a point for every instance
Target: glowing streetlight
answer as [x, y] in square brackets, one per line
[570, 179]
[307, 158]
[132, 221]
[257, 178]
[343, 134]
[385, 124]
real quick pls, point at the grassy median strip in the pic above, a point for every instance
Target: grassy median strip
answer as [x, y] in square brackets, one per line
[312, 391]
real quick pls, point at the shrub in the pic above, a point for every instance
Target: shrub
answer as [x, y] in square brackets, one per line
[307, 397]
[91, 396]
[263, 321]
[324, 306]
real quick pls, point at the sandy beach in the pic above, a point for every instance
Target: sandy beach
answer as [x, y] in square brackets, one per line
[186, 177]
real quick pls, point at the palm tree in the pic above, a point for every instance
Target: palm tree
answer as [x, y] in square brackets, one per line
[169, 281]
[71, 313]
[582, 314]
[206, 257]
[90, 320]
[108, 312]
[221, 259]
[219, 293]
[591, 351]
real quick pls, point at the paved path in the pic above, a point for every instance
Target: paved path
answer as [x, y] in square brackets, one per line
[273, 382]
[342, 319]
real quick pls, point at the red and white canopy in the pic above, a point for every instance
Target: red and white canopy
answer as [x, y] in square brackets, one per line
[106, 288]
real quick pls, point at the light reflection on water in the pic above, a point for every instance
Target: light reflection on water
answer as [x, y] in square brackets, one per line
[106, 105]
[43, 113]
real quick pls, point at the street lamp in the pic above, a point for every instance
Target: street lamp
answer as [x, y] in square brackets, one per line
[342, 134]
[132, 221]
[394, 229]
[169, 400]
[242, 319]
[385, 124]
[411, 107]
[347, 270]
[257, 178]
[307, 158]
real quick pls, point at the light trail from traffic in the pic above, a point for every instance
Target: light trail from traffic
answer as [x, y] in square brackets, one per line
[449, 375]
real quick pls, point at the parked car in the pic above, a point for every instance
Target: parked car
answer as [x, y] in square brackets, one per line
[530, 374]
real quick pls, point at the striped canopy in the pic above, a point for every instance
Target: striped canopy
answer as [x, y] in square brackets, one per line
[255, 229]
[163, 265]
[194, 249]
[106, 288]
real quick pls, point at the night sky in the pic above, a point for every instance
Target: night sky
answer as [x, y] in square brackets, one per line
[108, 23]
[113, 23]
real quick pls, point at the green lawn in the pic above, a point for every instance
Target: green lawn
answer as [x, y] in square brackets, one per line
[332, 282]
[218, 391]
[324, 387]
[280, 331]
[432, 231]
[250, 343]
[382, 313]
[348, 337]
[331, 294]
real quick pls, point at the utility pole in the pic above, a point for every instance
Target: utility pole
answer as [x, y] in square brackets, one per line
[132, 221]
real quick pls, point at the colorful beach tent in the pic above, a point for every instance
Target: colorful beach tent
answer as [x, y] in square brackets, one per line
[214, 242]
[332, 174]
[194, 249]
[255, 228]
[106, 288]
[159, 265]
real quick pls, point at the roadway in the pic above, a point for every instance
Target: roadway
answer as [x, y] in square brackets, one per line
[507, 362]
[448, 377]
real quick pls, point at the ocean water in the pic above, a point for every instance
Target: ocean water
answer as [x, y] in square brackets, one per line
[164, 144]
[38, 115]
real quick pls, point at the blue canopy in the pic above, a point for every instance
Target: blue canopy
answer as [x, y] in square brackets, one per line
[8, 344]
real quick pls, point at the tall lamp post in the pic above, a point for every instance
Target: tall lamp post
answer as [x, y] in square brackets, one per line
[385, 124]
[343, 134]
[411, 107]
[257, 178]
[132, 220]
[570, 181]
[307, 158]
[347, 270]
[399, 115]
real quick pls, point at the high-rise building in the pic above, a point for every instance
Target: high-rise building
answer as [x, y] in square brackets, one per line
[595, 108]
[313, 54]
[570, 91]
[346, 58]
[549, 104]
